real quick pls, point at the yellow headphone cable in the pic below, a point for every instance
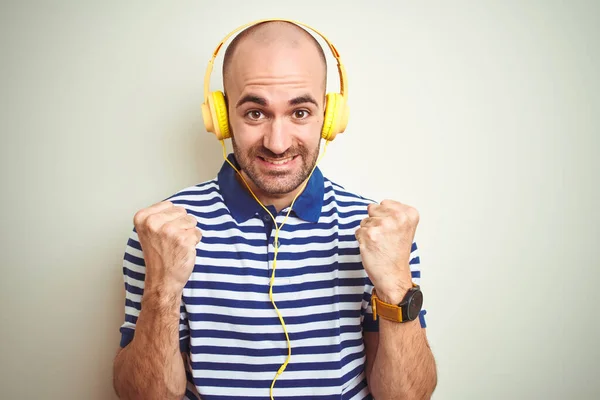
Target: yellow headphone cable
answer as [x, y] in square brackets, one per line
[277, 229]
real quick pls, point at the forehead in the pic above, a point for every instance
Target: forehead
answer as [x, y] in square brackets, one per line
[276, 68]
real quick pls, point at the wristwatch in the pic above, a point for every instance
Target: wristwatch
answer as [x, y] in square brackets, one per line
[407, 310]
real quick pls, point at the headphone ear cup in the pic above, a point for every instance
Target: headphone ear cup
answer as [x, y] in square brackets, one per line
[207, 118]
[217, 109]
[328, 119]
[336, 116]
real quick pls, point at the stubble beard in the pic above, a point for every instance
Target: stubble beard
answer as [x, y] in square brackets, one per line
[276, 182]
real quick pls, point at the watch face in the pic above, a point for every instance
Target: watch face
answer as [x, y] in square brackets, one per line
[414, 305]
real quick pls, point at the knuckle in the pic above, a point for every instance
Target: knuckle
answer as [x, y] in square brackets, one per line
[359, 235]
[360, 232]
[181, 240]
[372, 234]
[153, 223]
[413, 214]
[165, 203]
[169, 229]
[399, 215]
[390, 203]
[180, 210]
[139, 217]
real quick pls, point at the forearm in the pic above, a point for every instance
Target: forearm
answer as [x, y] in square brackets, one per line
[151, 366]
[404, 367]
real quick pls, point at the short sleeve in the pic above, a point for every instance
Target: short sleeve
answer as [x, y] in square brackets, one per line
[368, 324]
[134, 269]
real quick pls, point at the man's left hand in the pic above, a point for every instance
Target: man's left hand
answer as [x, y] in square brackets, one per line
[385, 240]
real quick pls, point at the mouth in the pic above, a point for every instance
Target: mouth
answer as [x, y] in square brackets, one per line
[277, 162]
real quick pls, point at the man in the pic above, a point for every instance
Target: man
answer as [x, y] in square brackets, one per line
[198, 295]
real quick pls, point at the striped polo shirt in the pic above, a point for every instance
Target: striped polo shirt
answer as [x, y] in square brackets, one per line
[228, 326]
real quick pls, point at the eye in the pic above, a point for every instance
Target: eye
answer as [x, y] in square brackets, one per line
[301, 114]
[254, 115]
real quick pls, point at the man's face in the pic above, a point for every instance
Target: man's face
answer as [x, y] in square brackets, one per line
[276, 100]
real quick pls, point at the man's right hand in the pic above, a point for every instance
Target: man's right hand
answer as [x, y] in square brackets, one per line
[168, 236]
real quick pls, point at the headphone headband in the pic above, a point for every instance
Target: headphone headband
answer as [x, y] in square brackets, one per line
[340, 66]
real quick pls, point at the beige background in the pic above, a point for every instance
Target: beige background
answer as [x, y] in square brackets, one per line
[483, 115]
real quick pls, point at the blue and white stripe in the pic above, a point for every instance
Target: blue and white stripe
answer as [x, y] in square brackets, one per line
[234, 338]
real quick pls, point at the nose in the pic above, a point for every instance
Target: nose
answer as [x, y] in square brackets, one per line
[276, 139]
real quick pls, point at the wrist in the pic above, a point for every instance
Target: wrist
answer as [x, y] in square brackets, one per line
[161, 299]
[162, 287]
[393, 294]
[404, 310]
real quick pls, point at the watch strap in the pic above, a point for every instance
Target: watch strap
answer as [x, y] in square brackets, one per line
[391, 312]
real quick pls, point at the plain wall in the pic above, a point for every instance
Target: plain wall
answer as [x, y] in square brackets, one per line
[484, 115]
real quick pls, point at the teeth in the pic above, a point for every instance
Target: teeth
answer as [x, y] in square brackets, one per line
[279, 162]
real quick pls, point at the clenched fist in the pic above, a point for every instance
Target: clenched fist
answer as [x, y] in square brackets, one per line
[168, 236]
[385, 240]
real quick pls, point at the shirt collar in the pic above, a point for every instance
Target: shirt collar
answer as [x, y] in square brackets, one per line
[243, 206]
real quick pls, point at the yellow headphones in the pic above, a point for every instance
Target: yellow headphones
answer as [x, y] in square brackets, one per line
[214, 109]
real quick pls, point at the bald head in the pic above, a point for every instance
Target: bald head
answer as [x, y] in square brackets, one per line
[275, 80]
[275, 36]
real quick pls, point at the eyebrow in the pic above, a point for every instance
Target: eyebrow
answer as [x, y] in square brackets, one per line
[250, 98]
[261, 101]
[303, 99]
